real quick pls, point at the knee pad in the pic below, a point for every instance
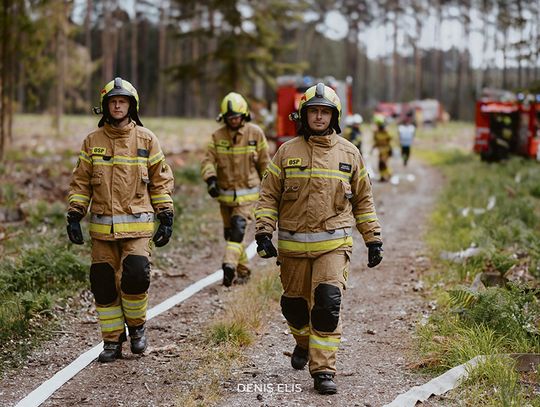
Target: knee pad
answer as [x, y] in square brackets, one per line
[295, 311]
[326, 307]
[227, 233]
[102, 283]
[135, 274]
[238, 228]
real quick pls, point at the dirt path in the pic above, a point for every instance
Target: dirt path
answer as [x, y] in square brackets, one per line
[380, 309]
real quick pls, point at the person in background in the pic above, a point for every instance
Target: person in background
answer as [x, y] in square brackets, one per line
[232, 168]
[352, 132]
[382, 141]
[406, 131]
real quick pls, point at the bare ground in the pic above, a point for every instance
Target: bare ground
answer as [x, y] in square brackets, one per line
[381, 308]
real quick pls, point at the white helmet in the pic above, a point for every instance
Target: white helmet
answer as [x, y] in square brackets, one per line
[354, 119]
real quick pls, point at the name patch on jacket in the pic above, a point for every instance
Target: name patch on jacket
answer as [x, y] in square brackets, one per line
[141, 152]
[224, 143]
[99, 150]
[294, 162]
[252, 142]
[345, 167]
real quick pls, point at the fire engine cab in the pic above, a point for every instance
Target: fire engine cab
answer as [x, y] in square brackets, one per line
[505, 127]
[289, 91]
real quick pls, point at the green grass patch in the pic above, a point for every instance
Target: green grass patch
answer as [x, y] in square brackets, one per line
[493, 207]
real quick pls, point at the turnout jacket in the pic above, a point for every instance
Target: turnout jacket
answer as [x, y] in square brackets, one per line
[122, 176]
[315, 191]
[238, 158]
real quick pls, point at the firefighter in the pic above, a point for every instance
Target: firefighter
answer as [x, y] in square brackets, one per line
[122, 179]
[352, 132]
[315, 189]
[382, 141]
[232, 168]
[406, 131]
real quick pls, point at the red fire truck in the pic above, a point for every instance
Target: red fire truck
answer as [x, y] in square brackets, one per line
[290, 90]
[506, 127]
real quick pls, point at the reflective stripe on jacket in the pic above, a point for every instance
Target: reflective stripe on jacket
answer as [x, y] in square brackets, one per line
[238, 160]
[315, 191]
[122, 176]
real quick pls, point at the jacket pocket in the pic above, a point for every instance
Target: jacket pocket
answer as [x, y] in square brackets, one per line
[142, 185]
[138, 209]
[290, 225]
[343, 194]
[96, 178]
[291, 192]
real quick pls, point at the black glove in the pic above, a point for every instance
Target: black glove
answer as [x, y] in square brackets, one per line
[213, 190]
[74, 230]
[375, 251]
[164, 231]
[265, 247]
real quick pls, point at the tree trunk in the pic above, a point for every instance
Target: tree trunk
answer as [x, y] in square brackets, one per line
[88, 45]
[395, 93]
[134, 44]
[61, 51]
[162, 45]
[107, 44]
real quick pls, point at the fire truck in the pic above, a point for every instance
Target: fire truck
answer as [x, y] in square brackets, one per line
[289, 91]
[507, 126]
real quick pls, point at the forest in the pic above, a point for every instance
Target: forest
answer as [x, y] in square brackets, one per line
[184, 55]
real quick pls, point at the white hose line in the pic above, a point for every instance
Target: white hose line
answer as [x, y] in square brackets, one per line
[437, 386]
[47, 388]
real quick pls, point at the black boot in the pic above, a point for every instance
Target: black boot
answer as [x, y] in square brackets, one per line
[228, 274]
[111, 351]
[138, 339]
[243, 279]
[324, 383]
[299, 358]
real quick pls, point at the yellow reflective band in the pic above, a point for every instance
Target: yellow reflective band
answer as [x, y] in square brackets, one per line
[211, 145]
[243, 258]
[317, 342]
[208, 168]
[79, 198]
[363, 173]
[112, 325]
[266, 212]
[317, 173]
[134, 227]
[273, 169]
[304, 331]
[103, 229]
[315, 246]
[235, 150]
[156, 158]
[109, 312]
[85, 157]
[135, 309]
[237, 247]
[262, 145]
[366, 217]
[119, 160]
[243, 198]
[161, 198]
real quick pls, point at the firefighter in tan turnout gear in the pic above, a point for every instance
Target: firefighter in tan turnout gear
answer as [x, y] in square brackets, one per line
[315, 189]
[122, 179]
[233, 166]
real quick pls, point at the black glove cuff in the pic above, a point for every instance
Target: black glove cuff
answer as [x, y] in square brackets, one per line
[166, 218]
[74, 216]
[263, 236]
[374, 244]
[211, 180]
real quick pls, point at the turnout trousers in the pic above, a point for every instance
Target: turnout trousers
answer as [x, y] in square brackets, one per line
[119, 279]
[235, 221]
[311, 304]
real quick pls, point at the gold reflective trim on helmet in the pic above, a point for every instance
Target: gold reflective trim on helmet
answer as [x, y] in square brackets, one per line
[329, 98]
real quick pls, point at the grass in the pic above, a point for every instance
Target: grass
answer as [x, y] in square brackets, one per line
[495, 320]
[246, 313]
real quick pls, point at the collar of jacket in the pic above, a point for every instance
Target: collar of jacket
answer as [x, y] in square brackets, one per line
[328, 140]
[115, 132]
